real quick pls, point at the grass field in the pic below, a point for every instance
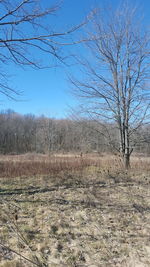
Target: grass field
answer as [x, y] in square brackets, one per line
[68, 210]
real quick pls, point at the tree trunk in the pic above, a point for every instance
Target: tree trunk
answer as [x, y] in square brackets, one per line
[127, 150]
[125, 145]
[127, 161]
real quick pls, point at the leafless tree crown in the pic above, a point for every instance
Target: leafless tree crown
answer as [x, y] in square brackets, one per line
[115, 86]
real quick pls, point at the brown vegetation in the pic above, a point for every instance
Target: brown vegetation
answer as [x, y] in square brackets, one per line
[37, 164]
[87, 213]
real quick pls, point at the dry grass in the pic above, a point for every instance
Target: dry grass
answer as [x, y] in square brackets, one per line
[93, 214]
[32, 165]
[38, 164]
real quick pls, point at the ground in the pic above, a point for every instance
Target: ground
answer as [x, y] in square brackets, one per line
[92, 217]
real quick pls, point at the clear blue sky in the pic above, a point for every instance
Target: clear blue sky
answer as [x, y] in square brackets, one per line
[46, 91]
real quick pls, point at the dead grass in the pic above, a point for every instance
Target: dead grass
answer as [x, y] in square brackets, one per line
[30, 165]
[88, 215]
[38, 164]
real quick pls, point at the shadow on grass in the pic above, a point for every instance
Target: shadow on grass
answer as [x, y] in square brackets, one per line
[75, 185]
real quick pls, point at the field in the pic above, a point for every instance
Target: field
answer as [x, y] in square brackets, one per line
[74, 210]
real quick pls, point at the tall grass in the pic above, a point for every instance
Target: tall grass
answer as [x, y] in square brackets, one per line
[35, 164]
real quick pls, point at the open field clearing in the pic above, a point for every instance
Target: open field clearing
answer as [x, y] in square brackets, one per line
[37, 164]
[68, 210]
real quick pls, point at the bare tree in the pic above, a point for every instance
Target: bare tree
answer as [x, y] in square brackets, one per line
[115, 75]
[26, 33]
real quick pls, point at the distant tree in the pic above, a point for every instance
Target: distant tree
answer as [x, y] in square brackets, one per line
[115, 76]
[26, 33]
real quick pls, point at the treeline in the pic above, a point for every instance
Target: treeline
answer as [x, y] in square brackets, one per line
[28, 133]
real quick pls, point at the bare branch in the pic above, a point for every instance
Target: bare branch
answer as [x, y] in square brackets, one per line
[115, 74]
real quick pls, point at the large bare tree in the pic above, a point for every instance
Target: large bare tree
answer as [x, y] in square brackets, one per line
[27, 36]
[115, 75]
